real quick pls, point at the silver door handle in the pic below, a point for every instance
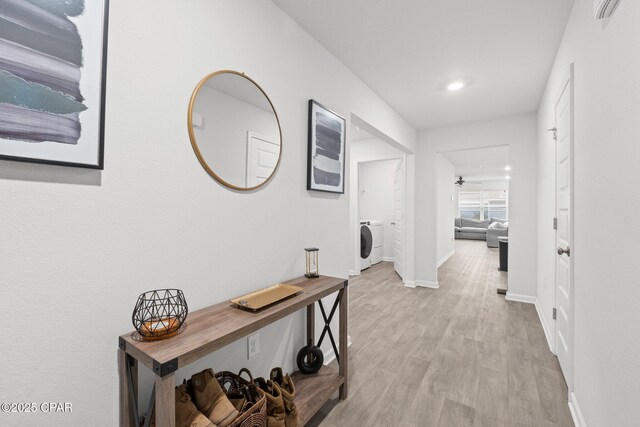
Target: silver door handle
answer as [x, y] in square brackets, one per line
[564, 251]
[393, 223]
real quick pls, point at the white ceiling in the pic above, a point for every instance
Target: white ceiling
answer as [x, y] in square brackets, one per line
[406, 50]
[483, 164]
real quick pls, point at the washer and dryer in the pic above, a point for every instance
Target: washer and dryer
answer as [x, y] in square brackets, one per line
[371, 243]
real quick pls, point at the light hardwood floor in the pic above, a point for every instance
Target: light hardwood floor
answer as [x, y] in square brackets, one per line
[456, 356]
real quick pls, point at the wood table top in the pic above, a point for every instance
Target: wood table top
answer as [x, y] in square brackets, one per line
[217, 326]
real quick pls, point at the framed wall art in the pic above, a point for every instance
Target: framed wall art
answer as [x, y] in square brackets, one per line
[52, 81]
[326, 153]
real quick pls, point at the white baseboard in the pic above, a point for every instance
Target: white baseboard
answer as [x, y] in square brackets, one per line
[446, 257]
[576, 412]
[520, 298]
[330, 355]
[388, 259]
[427, 284]
[421, 283]
[547, 332]
[353, 273]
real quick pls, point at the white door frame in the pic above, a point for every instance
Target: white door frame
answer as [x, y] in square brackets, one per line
[567, 83]
[356, 218]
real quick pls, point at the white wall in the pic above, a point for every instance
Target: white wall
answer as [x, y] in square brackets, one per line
[375, 190]
[446, 205]
[78, 246]
[519, 132]
[607, 154]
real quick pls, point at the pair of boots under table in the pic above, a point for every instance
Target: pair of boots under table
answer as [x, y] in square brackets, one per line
[202, 402]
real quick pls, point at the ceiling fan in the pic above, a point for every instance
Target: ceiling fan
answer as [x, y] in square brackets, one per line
[461, 181]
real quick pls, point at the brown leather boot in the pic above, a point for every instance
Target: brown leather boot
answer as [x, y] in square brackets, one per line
[210, 399]
[187, 415]
[288, 390]
[275, 404]
[237, 400]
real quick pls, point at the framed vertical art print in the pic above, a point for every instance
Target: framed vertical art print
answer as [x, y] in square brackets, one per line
[326, 153]
[52, 81]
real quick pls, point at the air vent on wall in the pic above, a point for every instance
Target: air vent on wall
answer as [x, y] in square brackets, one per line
[604, 8]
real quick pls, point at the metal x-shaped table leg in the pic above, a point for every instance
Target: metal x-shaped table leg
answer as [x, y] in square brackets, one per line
[327, 325]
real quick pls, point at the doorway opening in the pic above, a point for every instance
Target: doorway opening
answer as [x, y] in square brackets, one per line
[473, 207]
[378, 181]
[381, 213]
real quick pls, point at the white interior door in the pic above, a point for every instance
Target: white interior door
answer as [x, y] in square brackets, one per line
[398, 254]
[262, 158]
[563, 135]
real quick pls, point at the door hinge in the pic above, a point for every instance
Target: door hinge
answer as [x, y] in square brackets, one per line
[555, 223]
[555, 314]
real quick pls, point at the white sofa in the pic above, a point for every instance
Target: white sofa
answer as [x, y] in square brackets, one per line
[488, 229]
[496, 229]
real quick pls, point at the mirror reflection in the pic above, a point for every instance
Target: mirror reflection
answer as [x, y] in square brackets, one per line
[234, 130]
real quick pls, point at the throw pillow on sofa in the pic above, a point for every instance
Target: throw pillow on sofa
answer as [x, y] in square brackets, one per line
[499, 225]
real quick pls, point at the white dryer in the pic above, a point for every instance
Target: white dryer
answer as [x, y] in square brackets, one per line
[377, 230]
[366, 244]
[371, 242]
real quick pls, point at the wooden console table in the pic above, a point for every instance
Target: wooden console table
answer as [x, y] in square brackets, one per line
[217, 326]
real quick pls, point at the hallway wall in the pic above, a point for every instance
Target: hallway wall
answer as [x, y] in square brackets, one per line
[446, 200]
[606, 205]
[519, 132]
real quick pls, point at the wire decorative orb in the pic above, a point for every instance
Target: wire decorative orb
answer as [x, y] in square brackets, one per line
[160, 314]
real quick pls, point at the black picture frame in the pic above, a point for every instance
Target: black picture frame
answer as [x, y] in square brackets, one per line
[326, 150]
[92, 66]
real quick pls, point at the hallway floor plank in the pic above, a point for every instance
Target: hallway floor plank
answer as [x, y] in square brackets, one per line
[455, 356]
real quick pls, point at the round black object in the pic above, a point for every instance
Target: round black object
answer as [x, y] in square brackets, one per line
[310, 359]
[366, 242]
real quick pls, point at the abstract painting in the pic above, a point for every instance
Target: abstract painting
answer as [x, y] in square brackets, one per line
[52, 81]
[326, 153]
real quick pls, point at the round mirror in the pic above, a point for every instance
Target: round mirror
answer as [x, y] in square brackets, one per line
[234, 130]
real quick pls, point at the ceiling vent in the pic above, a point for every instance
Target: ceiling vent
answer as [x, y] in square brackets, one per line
[604, 8]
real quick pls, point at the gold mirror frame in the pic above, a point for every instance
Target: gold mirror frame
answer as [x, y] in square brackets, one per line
[194, 143]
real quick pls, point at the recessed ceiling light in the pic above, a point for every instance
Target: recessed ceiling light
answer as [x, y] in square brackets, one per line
[508, 168]
[455, 85]
[507, 177]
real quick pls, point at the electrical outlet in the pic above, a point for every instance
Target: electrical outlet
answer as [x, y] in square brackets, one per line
[253, 345]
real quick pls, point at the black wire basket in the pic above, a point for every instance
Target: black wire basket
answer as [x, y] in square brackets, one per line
[160, 314]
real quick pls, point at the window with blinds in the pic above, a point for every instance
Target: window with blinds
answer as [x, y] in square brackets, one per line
[483, 204]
